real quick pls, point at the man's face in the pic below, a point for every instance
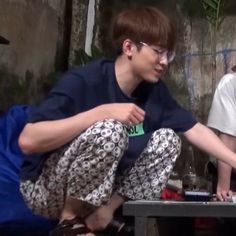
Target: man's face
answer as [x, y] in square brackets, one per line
[150, 62]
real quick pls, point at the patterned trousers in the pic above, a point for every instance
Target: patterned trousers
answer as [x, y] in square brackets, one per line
[86, 169]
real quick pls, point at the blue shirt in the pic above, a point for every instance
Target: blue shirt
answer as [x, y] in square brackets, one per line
[83, 88]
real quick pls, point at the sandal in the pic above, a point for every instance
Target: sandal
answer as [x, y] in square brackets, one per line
[71, 227]
[116, 227]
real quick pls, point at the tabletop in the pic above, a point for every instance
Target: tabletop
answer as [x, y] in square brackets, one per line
[179, 208]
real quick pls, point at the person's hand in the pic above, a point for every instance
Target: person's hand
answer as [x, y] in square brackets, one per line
[223, 194]
[126, 113]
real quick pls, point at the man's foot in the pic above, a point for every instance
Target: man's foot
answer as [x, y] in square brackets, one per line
[100, 218]
[73, 227]
[103, 215]
[72, 208]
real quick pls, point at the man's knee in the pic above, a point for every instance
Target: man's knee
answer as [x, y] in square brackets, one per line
[168, 142]
[109, 136]
[168, 135]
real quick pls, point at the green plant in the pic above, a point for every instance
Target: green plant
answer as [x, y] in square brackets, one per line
[82, 58]
[23, 90]
[213, 10]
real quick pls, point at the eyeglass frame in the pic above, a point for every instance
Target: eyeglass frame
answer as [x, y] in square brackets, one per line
[170, 55]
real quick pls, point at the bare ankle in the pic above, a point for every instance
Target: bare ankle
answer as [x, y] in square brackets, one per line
[116, 201]
[71, 209]
[103, 215]
[66, 216]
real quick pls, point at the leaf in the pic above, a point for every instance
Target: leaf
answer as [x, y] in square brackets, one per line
[96, 53]
[210, 3]
[213, 11]
[82, 58]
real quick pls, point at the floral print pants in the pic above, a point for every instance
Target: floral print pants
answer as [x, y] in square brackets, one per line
[86, 169]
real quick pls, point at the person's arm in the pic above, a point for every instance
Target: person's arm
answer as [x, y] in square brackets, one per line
[224, 170]
[223, 184]
[222, 119]
[49, 135]
[206, 140]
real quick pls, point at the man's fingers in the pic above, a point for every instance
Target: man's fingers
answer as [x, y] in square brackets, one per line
[230, 193]
[219, 197]
[224, 195]
[139, 110]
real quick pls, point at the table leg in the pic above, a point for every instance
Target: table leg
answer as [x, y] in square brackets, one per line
[140, 226]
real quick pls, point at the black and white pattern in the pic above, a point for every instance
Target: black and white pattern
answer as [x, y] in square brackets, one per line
[86, 169]
[149, 175]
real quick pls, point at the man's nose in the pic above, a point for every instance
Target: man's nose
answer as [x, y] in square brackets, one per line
[164, 60]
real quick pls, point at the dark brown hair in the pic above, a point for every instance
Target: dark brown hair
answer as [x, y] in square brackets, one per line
[233, 68]
[146, 24]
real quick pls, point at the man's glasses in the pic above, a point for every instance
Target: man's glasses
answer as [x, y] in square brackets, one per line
[161, 52]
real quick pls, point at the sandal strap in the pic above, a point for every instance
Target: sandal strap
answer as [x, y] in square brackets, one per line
[71, 227]
[66, 223]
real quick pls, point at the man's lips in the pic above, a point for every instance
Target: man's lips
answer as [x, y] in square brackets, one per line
[159, 72]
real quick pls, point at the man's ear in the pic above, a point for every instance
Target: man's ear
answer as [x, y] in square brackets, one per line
[128, 47]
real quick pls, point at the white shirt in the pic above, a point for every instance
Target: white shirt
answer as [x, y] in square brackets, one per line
[222, 116]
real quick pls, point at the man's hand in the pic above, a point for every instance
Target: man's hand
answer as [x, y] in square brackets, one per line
[223, 191]
[126, 113]
[223, 194]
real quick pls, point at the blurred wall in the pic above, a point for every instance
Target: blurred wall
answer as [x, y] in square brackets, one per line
[46, 36]
[35, 30]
